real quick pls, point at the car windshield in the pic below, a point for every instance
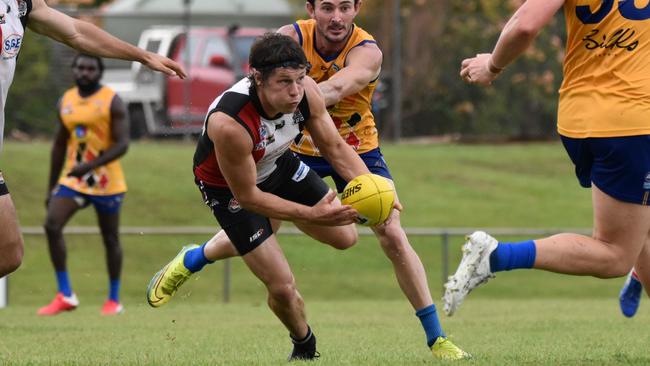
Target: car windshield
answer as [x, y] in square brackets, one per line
[213, 47]
[242, 47]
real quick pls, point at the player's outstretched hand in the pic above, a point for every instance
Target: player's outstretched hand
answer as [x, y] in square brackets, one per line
[163, 64]
[476, 70]
[330, 212]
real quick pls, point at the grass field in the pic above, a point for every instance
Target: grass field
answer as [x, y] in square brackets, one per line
[353, 302]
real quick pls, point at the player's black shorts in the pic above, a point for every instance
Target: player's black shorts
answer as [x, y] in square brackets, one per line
[292, 180]
[3, 186]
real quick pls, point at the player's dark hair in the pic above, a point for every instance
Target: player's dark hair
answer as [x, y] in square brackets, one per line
[273, 50]
[313, 2]
[100, 62]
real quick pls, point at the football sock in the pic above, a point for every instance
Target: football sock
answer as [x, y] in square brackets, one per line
[63, 281]
[431, 324]
[508, 256]
[303, 340]
[114, 293]
[195, 259]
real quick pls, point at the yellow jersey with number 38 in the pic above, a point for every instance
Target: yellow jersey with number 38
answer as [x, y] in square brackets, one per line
[88, 121]
[606, 87]
[352, 115]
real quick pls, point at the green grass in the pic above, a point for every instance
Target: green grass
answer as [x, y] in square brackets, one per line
[440, 185]
[352, 299]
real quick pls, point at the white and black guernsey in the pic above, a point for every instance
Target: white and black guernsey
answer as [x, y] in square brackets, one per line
[13, 20]
[271, 136]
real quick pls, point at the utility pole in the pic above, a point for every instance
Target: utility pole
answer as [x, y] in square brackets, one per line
[397, 72]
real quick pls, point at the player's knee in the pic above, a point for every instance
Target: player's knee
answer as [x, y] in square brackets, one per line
[52, 226]
[12, 257]
[391, 237]
[283, 292]
[347, 239]
[616, 265]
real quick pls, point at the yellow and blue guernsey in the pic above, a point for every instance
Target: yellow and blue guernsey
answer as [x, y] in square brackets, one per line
[88, 121]
[352, 115]
[606, 83]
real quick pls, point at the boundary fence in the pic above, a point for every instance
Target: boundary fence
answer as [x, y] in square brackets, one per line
[443, 233]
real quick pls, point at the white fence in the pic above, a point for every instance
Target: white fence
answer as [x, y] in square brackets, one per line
[443, 233]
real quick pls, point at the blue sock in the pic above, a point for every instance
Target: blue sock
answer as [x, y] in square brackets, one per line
[63, 281]
[431, 324]
[195, 259]
[114, 293]
[508, 256]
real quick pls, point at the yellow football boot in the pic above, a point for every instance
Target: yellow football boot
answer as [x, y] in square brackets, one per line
[169, 279]
[444, 349]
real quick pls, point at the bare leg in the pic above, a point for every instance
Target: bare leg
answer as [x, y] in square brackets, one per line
[11, 241]
[620, 233]
[408, 268]
[59, 211]
[109, 225]
[269, 264]
[642, 267]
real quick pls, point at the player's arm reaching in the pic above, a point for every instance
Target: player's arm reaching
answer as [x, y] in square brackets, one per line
[517, 35]
[340, 155]
[119, 145]
[363, 65]
[233, 146]
[87, 38]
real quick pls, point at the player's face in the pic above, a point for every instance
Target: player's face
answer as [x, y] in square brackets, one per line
[86, 72]
[334, 18]
[284, 89]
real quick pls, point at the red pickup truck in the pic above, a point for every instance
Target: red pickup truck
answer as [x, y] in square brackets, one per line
[214, 57]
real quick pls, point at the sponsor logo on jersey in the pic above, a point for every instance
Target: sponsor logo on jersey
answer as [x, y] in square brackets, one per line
[66, 109]
[298, 117]
[233, 206]
[11, 45]
[256, 235]
[81, 131]
[22, 8]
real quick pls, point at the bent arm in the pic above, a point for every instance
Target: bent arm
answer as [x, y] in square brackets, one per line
[233, 146]
[119, 132]
[362, 66]
[88, 38]
[337, 152]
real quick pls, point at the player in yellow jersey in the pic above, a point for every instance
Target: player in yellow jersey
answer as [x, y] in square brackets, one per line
[85, 170]
[16, 17]
[603, 122]
[345, 61]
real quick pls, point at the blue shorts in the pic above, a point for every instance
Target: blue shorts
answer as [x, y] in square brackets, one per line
[107, 205]
[618, 166]
[374, 161]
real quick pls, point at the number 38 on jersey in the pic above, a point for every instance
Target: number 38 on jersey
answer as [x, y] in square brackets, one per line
[626, 8]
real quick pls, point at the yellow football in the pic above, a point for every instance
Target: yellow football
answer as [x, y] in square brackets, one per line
[372, 196]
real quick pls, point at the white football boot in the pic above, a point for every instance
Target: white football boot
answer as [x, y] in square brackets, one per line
[473, 270]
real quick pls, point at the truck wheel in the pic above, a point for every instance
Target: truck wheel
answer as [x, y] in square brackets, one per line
[138, 126]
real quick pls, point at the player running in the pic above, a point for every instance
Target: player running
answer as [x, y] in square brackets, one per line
[603, 122]
[346, 61]
[252, 181]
